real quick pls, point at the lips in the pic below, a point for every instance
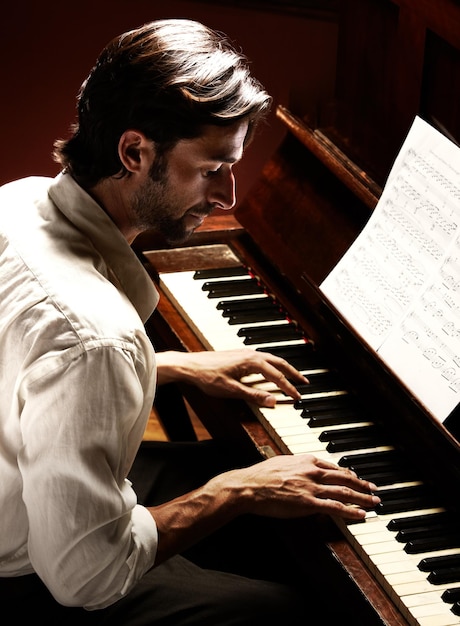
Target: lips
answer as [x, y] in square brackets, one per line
[201, 215]
[195, 219]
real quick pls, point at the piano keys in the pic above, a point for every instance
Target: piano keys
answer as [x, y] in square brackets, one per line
[411, 543]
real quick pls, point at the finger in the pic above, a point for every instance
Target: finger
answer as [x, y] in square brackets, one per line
[336, 475]
[278, 379]
[343, 497]
[346, 511]
[286, 368]
[324, 464]
[256, 395]
[282, 365]
[349, 480]
[349, 496]
[260, 393]
[281, 390]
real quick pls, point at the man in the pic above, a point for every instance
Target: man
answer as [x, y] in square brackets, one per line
[162, 118]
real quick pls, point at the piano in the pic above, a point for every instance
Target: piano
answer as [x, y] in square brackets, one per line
[252, 279]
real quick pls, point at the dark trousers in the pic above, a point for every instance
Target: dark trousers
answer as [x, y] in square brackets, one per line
[238, 576]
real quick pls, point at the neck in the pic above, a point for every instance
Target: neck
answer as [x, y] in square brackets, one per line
[108, 193]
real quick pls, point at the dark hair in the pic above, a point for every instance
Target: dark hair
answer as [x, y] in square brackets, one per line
[167, 79]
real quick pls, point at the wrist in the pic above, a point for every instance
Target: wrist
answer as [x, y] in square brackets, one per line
[171, 366]
[188, 518]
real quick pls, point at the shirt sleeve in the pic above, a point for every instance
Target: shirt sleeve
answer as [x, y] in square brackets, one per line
[83, 416]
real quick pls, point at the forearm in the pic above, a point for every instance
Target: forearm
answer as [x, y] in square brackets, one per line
[187, 519]
[171, 366]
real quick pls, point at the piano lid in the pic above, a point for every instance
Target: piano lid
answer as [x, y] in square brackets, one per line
[396, 59]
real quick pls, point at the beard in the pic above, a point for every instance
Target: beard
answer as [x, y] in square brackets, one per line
[156, 204]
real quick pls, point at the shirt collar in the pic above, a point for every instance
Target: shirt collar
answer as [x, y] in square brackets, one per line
[91, 220]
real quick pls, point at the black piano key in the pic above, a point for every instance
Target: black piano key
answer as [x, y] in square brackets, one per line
[327, 404]
[347, 433]
[429, 544]
[220, 272]
[257, 315]
[381, 478]
[451, 595]
[430, 530]
[319, 382]
[402, 499]
[271, 333]
[246, 304]
[418, 520]
[357, 459]
[352, 443]
[333, 418]
[381, 465]
[225, 288]
[382, 473]
[302, 356]
[444, 576]
[288, 329]
[355, 438]
[430, 563]
[305, 401]
[456, 608]
[401, 506]
[402, 492]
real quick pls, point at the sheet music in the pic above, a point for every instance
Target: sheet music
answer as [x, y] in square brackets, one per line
[399, 283]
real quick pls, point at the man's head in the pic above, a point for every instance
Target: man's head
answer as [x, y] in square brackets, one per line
[168, 79]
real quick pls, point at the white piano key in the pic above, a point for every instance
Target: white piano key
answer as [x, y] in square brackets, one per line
[401, 578]
[438, 620]
[419, 599]
[408, 589]
[426, 610]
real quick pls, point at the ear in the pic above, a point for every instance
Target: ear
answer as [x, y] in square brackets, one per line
[136, 152]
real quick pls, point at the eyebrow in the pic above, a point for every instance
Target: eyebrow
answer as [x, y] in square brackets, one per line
[223, 158]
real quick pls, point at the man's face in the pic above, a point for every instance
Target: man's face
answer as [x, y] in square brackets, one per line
[195, 178]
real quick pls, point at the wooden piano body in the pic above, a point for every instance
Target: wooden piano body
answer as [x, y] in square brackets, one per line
[397, 58]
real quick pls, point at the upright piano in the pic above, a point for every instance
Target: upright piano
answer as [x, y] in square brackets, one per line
[252, 279]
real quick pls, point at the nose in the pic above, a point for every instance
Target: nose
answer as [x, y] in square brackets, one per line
[222, 191]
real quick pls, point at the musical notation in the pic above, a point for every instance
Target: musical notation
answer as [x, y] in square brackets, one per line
[399, 283]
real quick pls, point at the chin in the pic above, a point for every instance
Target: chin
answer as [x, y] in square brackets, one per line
[179, 237]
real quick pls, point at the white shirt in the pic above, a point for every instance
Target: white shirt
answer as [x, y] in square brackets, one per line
[77, 378]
